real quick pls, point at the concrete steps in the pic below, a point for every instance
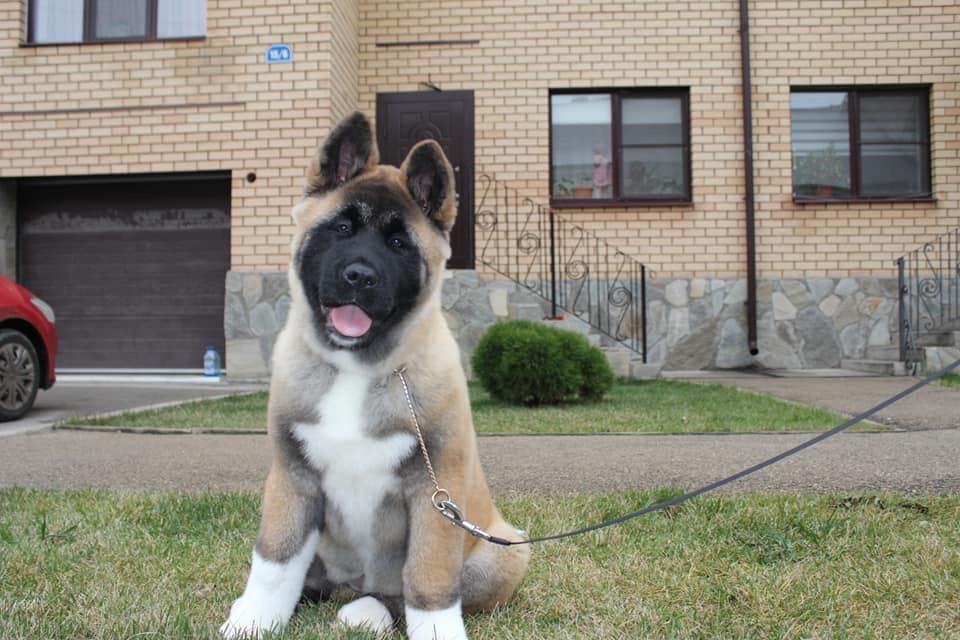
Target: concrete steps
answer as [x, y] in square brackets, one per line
[876, 367]
[934, 351]
[942, 339]
[888, 352]
[939, 351]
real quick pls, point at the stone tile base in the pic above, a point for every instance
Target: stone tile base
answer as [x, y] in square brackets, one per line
[807, 323]
[692, 323]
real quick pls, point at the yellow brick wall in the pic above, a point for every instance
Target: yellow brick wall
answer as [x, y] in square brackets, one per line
[851, 43]
[212, 104]
[208, 104]
[343, 58]
[528, 47]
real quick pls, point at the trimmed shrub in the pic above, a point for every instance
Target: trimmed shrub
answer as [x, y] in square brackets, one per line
[523, 362]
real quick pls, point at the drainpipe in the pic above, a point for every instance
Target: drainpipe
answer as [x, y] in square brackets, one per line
[748, 178]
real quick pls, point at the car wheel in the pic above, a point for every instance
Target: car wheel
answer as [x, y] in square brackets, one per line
[19, 375]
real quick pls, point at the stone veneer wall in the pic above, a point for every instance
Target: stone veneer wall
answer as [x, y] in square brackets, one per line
[257, 304]
[803, 323]
[693, 323]
[254, 312]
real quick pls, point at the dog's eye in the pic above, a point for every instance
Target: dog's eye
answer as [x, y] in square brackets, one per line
[397, 243]
[342, 228]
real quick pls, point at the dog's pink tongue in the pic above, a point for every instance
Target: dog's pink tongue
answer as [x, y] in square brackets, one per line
[350, 320]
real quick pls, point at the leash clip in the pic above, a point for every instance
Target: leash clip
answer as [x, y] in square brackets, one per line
[452, 512]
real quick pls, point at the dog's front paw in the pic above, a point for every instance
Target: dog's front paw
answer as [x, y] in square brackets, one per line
[442, 624]
[368, 613]
[250, 617]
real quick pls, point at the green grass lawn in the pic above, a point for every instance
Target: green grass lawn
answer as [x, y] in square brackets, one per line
[950, 380]
[658, 406]
[112, 565]
[246, 412]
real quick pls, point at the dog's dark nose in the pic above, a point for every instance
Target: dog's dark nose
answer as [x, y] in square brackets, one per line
[360, 276]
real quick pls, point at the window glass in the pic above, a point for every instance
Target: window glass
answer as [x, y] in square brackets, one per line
[820, 135]
[181, 18]
[120, 19]
[894, 169]
[892, 118]
[652, 121]
[57, 21]
[652, 152]
[581, 135]
[653, 171]
[894, 157]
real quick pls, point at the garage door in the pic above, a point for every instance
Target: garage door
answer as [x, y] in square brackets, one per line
[134, 267]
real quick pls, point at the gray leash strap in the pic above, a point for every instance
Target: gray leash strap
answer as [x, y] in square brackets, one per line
[737, 476]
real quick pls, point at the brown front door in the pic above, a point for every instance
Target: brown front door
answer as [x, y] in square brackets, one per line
[403, 119]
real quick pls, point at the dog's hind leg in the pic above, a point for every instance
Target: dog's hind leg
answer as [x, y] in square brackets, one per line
[491, 572]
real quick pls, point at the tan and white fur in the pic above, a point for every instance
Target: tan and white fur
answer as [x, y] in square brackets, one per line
[347, 503]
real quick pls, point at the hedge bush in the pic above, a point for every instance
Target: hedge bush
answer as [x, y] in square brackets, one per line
[523, 362]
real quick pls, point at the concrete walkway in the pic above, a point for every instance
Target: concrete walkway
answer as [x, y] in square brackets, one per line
[933, 407]
[923, 457]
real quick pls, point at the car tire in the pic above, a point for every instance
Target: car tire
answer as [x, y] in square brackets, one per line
[19, 375]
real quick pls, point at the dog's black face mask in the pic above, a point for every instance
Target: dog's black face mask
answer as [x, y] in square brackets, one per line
[360, 268]
[379, 235]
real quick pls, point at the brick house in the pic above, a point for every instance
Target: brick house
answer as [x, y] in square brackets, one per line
[152, 150]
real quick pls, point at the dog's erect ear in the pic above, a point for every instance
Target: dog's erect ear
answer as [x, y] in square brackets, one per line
[428, 176]
[347, 152]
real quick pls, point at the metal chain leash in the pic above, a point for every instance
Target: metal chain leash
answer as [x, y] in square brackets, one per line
[441, 499]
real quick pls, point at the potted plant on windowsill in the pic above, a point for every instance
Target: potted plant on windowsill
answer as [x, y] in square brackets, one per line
[563, 188]
[821, 174]
[582, 191]
[583, 187]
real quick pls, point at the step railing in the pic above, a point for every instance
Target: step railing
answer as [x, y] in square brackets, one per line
[562, 262]
[929, 293]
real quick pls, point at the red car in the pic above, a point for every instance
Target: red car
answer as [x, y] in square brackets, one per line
[28, 349]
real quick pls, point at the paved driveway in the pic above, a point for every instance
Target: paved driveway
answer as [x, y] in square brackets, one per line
[79, 396]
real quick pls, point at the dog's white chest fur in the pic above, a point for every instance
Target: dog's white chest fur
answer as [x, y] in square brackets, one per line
[358, 470]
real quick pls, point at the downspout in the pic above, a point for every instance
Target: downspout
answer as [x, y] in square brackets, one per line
[747, 92]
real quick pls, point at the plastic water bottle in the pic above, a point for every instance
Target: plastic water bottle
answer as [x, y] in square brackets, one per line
[211, 362]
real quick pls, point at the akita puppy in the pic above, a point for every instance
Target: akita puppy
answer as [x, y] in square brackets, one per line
[349, 501]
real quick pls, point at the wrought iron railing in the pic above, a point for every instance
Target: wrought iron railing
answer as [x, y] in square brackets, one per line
[562, 262]
[929, 299]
